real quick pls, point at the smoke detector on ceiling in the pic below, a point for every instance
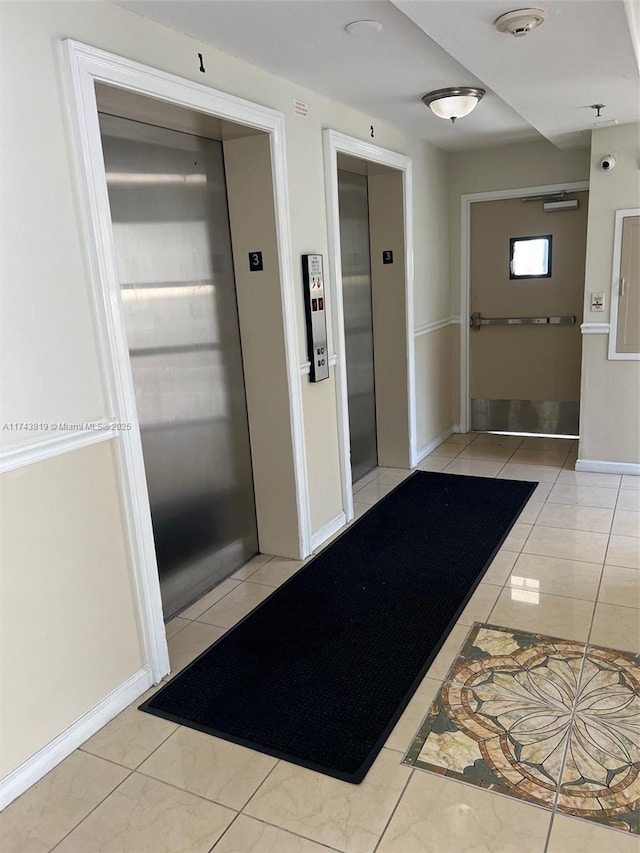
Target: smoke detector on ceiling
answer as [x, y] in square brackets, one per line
[520, 21]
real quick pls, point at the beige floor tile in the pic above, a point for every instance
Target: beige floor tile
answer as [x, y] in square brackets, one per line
[624, 551]
[494, 440]
[629, 481]
[567, 544]
[620, 586]
[174, 625]
[532, 473]
[350, 818]
[628, 499]
[588, 478]
[448, 653]
[541, 492]
[145, 815]
[208, 600]
[500, 568]
[433, 463]
[131, 736]
[247, 835]
[528, 456]
[450, 450]
[393, 476]
[190, 642]
[574, 517]
[462, 438]
[210, 767]
[570, 835]
[234, 606]
[616, 628]
[555, 615]
[626, 523]
[480, 604]
[533, 574]
[517, 537]
[597, 496]
[496, 453]
[473, 467]
[530, 513]
[277, 571]
[369, 477]
[539, 443]
[570, 462]
[251, 566]
[44, 814]
[360, 509]
[373, 492]
[405, 729]
[438, 815]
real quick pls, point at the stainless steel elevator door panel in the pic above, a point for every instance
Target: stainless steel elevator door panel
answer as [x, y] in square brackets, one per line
[173, 248]
[358, 320]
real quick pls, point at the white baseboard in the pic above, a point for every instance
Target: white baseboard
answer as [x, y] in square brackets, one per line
[457, 428]
[325, 532]
[428, 448]
[601, 466]
[45, 759]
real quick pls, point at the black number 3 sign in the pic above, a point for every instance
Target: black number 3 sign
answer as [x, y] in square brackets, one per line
[255, 261]
[387, 257]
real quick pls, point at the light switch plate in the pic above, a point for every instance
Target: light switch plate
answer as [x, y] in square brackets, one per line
[597, 302]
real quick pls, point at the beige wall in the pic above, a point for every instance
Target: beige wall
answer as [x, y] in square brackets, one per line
[49, 358]
[386, 232]
[68, 608]
[610, 406]
[433, 393]
[507, 167]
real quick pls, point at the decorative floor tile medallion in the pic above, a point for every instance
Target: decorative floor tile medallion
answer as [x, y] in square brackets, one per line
[541, 719]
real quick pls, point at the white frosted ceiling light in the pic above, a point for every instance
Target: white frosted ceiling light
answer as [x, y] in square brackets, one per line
[363, 29]
[454, 102]
[520, 22]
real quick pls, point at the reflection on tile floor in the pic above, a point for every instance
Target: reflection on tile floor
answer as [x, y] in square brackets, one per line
[142, 784]
[540, 719]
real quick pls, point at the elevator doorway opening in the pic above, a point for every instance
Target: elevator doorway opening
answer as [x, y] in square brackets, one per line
[177, 195]
[355, 251]
[370, 230]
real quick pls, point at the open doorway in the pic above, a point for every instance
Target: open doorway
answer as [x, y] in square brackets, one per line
[370, 242]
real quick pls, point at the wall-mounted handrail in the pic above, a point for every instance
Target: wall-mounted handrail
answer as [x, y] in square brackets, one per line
[477, 321]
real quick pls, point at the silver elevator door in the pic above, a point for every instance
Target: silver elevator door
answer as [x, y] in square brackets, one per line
[173, 248]
[358, 320]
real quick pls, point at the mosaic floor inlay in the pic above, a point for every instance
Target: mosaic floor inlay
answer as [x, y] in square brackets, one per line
[550, 721]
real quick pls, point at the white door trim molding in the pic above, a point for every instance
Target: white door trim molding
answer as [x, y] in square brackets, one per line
[614, 355]
[466, 200]
[334, 142]
[83, 67]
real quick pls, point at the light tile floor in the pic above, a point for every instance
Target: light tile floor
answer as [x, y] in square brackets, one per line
[571, 569]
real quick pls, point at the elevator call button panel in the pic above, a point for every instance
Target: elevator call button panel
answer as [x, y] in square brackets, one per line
[314, 305]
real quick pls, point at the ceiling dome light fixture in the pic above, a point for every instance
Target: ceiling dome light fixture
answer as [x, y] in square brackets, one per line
[454, 102]
[519, 22]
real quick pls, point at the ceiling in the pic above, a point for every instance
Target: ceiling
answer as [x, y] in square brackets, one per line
[539, 85]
